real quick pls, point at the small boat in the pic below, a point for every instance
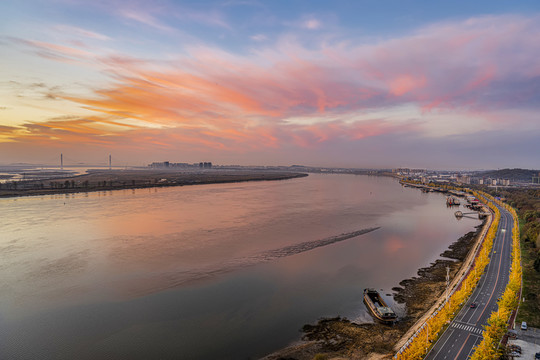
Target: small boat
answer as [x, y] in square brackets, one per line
[450, 201]
[378, 307]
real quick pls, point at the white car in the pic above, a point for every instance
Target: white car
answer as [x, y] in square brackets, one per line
[524, 326]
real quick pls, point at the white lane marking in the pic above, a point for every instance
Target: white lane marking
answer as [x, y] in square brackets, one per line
[450, 332]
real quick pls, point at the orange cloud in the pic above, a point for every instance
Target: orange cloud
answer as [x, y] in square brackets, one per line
[212, 99]
[406, 83]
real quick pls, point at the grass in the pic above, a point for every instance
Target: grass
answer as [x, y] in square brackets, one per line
[527, 204]
[529, 309]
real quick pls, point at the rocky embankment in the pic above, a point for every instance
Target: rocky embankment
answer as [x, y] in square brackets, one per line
[339, 338]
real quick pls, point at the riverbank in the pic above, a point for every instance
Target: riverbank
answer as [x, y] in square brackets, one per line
[106, 180]
[338, 338]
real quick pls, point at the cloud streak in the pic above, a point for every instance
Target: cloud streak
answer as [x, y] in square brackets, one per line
[213, 99]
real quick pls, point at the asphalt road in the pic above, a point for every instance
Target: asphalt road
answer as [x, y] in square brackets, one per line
[465, 331]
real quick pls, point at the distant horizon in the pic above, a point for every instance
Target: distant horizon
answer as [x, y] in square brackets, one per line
[263, 165]
[347, 84]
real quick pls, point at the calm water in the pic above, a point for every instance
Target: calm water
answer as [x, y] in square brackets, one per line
[183, 273]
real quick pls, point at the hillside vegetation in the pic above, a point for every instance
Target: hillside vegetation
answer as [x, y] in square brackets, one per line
[521, 175]
[527, 203]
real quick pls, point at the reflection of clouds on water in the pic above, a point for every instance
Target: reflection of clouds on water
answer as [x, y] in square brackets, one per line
[399, 309]
[394, 243]
[221, 253]
[177, 278]
[305, 246]
[363, 318]
[66, 265]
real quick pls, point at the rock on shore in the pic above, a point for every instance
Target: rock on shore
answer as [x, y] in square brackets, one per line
[339, 338]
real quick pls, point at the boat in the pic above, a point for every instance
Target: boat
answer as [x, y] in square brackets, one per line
[378, 307]
[450, 200]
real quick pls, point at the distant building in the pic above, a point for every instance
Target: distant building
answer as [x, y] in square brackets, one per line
[164, 164]
[167, 164]
[463, 179]
[402, 171]
[536, 179]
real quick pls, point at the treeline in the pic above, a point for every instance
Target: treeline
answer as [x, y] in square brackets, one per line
[433, 328]
[527, 204]
[512, 174]
[497, 323]
[71, 184]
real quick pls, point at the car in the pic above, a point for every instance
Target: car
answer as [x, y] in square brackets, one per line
[473, 305]
[524, 325]
[537, 355]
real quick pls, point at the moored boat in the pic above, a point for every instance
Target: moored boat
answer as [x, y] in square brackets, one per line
[450, 201]
[378, 308]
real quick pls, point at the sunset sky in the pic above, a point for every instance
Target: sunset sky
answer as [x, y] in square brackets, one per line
[367, 83]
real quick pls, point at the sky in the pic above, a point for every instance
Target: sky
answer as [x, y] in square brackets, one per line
[366, 83]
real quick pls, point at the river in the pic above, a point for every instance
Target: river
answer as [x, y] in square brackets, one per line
[224, 271]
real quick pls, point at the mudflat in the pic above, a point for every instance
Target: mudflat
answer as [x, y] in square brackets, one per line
[104, 180]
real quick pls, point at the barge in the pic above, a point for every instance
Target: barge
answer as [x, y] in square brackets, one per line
[378, 307]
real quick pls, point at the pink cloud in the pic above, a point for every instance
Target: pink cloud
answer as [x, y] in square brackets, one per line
[54, 51]
[74, 30]
[219, 100]
[144, 17]
[406, 83]
[312, 24]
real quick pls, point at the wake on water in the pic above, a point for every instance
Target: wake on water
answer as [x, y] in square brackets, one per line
[175, 279]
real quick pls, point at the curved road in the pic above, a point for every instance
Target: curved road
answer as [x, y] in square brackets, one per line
[465, 331]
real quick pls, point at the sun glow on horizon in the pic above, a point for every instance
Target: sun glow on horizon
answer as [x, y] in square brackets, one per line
[290, 90]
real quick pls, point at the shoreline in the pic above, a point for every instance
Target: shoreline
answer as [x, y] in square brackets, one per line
[464, 268]
[339, 338]
[108, 180]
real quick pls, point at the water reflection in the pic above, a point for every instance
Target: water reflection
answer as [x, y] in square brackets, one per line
[98, 274]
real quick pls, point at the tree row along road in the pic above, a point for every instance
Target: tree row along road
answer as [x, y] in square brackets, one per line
[465, 331]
